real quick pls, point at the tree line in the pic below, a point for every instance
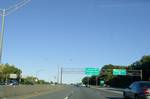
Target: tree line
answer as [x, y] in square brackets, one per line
[121, 81]
[6, 70]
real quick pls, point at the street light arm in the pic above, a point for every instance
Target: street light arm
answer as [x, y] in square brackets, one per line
[15, 7]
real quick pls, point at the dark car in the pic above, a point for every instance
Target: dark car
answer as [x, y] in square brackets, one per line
[2, 83]
[138, 90]
[88, 86]
[13, 82]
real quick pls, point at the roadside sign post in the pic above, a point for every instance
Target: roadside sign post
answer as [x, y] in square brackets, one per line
[141, 74]
[96, 81]
[88, 81]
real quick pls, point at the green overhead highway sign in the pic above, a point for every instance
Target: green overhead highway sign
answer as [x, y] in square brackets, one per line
[92, 71]
[119, 72]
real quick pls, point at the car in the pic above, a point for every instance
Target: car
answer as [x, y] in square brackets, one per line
[2, 83]
[82, 85]
[138, 90]
[88, 86]
[13, 82]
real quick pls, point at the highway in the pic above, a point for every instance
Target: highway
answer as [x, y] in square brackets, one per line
[72, 92]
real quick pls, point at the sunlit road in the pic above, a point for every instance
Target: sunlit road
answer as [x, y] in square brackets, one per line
[72, 92]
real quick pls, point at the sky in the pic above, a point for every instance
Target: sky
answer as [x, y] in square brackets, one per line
[45, 34]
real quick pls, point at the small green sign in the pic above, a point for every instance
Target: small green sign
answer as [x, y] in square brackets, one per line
[119, 72]
[92, 71]
[102, 82]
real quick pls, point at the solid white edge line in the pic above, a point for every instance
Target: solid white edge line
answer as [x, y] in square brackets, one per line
[117, 92]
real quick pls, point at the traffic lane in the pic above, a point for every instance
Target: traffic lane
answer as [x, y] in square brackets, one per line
[71, 92]
[38, 93]
[90, 93]
[109, 94]
[61, 94]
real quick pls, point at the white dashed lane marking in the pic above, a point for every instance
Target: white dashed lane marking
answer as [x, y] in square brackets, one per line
[69, 95]
[66, 98]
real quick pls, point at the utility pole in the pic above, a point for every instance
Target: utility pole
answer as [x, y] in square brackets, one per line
[3, 13]
[61, 75]
[88, 81]
[58, 76]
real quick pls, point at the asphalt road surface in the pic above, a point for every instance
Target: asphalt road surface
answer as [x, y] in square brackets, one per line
[72, 92]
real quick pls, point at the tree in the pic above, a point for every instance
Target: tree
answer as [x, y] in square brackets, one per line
[107, 72]
[6, 70]
[144, 65]
[85, 80]
[42, 82]
[11, 69]
[30, 80]
[94, 79]
[109, 78]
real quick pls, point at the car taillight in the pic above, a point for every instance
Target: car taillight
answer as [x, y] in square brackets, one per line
[146, 91]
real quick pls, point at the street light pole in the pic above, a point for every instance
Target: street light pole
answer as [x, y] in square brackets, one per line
[1, 35]
[3, 13]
